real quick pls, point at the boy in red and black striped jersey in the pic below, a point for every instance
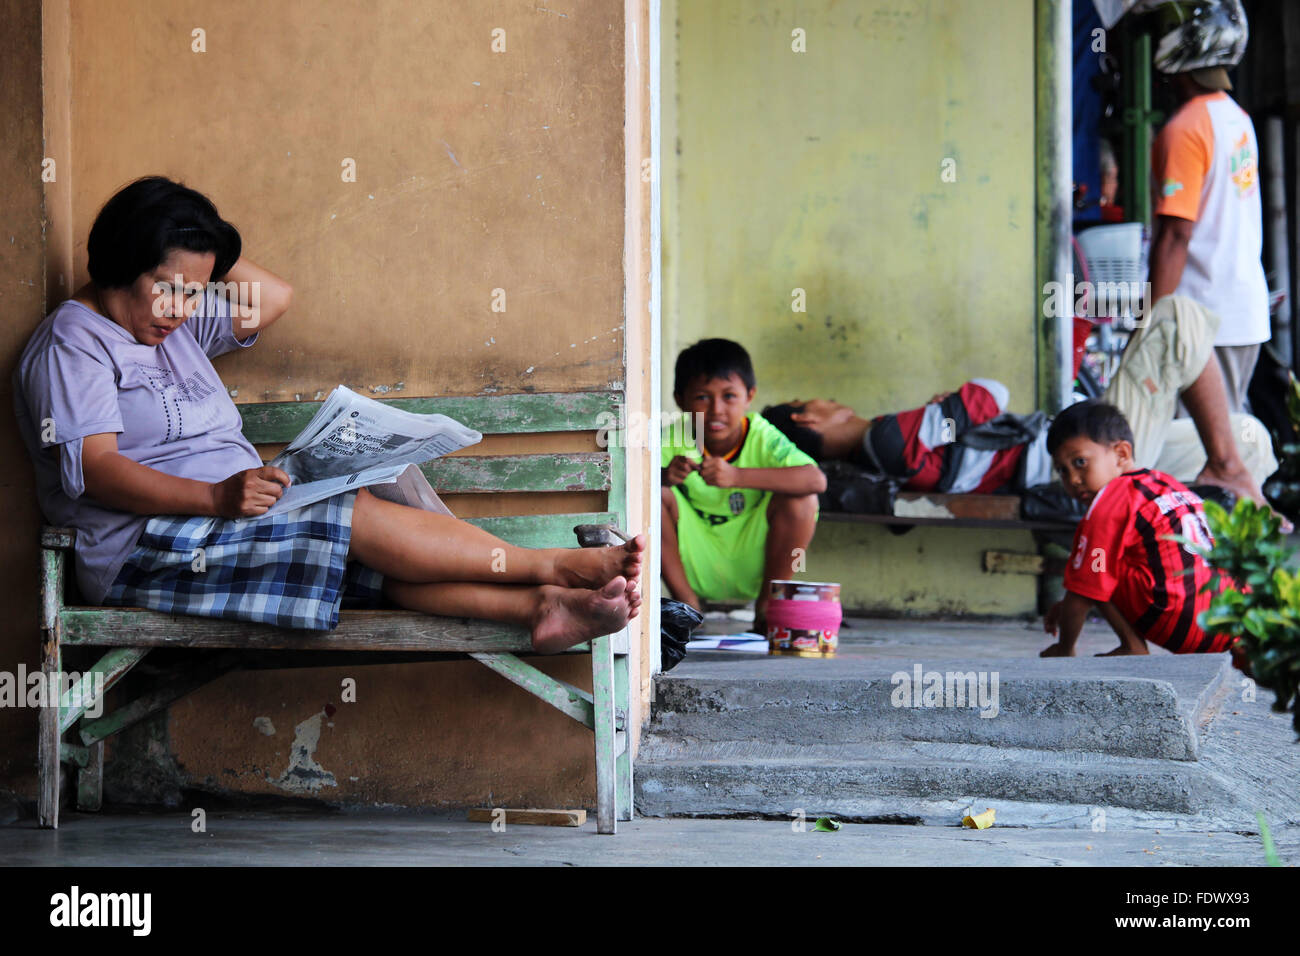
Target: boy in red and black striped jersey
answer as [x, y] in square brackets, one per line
[1147, 586]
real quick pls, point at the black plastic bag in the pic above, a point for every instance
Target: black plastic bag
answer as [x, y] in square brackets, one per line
[1220, 496]
[855, 490]
[1050, 503]
[676, 621]
[1054, 503]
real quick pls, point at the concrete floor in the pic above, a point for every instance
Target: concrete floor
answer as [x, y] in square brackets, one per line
[924, 640]
[292, 836]
[297, 838]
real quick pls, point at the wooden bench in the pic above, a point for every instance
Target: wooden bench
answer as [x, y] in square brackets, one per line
[952, 511]
[123, 636]
[943, 510]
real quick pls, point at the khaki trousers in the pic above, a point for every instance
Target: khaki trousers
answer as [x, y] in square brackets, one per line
[1166, 354]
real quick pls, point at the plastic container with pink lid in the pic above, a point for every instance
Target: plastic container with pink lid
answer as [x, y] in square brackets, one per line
[803, 618]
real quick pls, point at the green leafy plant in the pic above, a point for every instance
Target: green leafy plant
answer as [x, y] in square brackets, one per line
[1283, 486]
[1263, 609]
[1266, 837]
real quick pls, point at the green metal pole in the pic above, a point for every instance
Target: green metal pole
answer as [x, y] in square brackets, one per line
[1053, 115]
[1138, 118]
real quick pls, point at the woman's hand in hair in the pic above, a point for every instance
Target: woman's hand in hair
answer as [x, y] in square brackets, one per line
[260, 297]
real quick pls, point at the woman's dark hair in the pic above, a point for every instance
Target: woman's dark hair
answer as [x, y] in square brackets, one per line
[805, 439]
[137, 228]
[712, 358]
[1094, 420]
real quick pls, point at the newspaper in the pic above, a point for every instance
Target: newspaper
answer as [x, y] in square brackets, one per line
[354, 442]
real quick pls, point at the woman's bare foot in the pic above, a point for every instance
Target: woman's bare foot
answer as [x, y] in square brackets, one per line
[592, 567]
[568, 616]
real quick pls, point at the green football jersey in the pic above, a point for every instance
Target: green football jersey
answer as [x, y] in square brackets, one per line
[764, 447]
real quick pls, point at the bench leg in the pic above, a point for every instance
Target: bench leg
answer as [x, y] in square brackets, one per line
[623, 786]
[90, 780]
[47, 747]
[602, 693]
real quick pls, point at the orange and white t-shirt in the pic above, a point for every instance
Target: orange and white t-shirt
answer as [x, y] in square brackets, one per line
[1206, 169]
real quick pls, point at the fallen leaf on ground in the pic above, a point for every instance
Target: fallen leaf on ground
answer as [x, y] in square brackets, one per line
[979, 821]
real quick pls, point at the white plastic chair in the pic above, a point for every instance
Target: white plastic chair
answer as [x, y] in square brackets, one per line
[1115, 261]
[1114, 256]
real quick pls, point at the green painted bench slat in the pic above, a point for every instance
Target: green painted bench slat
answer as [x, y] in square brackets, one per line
[563, 471]
[564, 697]
[78, 698]
[275, 422]
[357, 630]
[524, 531]
[542, 531]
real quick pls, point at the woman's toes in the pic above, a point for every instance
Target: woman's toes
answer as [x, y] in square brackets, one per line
[593, 567]
[568, 616]
[635, 551]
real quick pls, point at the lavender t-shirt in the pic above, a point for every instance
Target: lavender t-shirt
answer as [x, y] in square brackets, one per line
[82, 374]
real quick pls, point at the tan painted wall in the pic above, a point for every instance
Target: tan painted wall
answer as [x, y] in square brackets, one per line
[822, 171]
[476, 171]
[22, 302]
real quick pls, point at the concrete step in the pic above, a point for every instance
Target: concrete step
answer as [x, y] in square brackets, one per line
[1150, 708]
[1072, 743]
[922, 782]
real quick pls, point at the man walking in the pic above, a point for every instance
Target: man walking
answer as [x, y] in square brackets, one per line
[1208, 218]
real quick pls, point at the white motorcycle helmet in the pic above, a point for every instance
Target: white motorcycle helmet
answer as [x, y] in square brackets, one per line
[1201, 37]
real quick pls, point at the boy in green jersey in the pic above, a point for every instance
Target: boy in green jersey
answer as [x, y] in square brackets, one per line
[740, 503]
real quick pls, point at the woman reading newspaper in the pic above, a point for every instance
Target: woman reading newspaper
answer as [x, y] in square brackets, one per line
[138, 446]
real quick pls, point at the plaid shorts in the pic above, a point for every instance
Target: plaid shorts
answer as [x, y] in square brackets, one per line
[289, 569]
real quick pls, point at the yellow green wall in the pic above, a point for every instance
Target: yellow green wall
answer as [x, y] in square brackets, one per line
[823, 171]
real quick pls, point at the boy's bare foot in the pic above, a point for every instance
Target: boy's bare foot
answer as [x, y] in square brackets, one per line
[1057, 650]
[1123, 651]
[593, 567]
[568, 616]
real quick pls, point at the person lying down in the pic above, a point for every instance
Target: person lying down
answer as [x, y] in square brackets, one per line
[964, 441]
[960, 441]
